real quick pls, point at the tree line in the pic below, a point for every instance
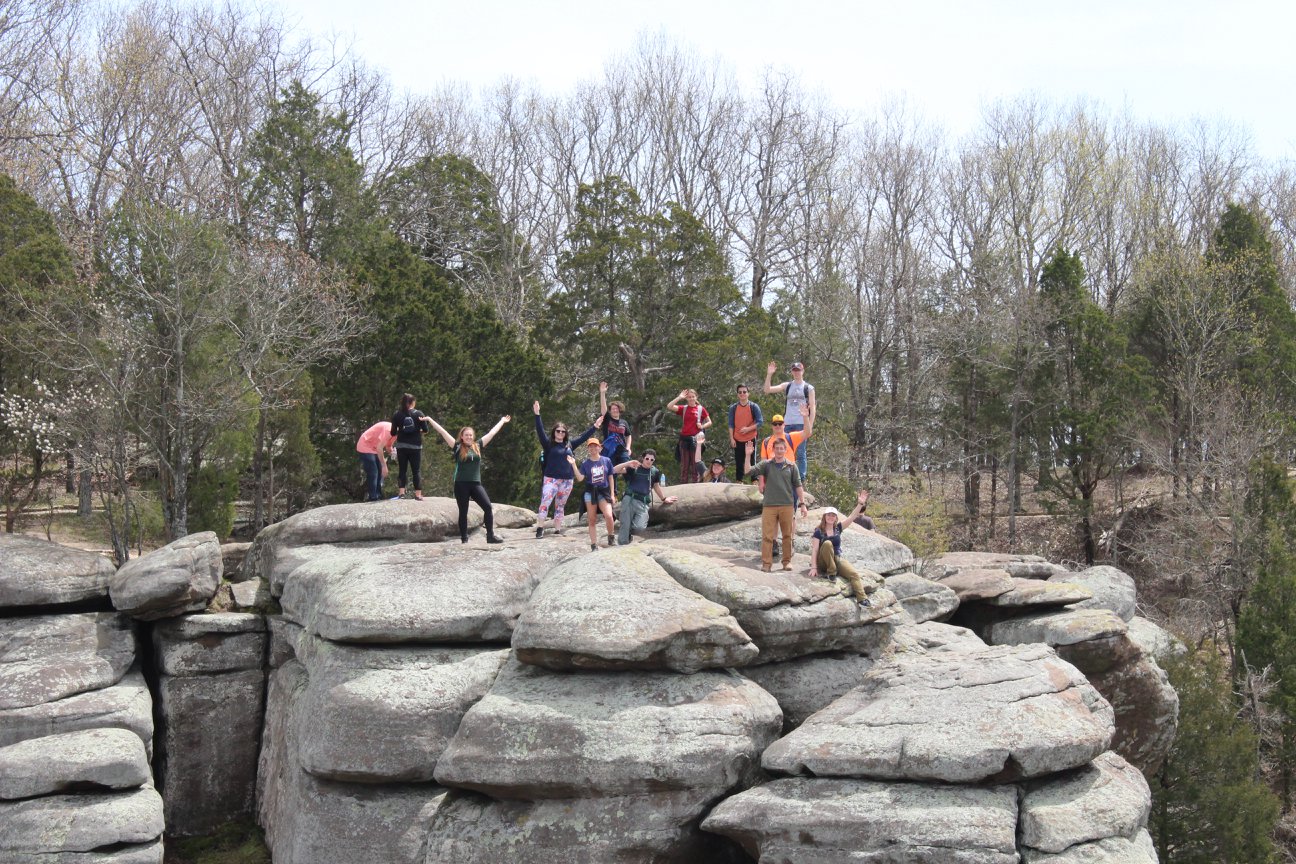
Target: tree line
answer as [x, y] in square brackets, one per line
[226, 248]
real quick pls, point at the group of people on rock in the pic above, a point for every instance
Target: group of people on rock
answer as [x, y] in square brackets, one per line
[780, 469]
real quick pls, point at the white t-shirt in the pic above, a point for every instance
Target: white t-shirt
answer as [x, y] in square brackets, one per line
[798, 401]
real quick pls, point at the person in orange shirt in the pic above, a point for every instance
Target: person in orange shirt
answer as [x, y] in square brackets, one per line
[371, 446]
[793, 439]
[745, 421]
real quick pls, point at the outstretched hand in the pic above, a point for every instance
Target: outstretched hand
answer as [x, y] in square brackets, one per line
[535, 407]
[602, 386]
[506, 418]
[670, 499]
[598, 422]
[862, 498]
[771, 368]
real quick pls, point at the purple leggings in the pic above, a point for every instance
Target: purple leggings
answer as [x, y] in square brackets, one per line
[556, 491]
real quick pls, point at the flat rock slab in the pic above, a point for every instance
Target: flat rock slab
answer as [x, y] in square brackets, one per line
[639, 829]
[506, 516]
[144, 853]
[125, 705]
[786, 614]
[1138, 849]
[94, 758]
[1022, 566]
[1038, 592]
[706, 504]
[383, 715]
[252, 595]
[1106, 798]
[807, 821]
[620, 610]
[998, 714]
[922, 598]
[974, 584]
[210, 643]
[1068, 627]
[35, 572]
[379, 522]
[588, 734]
[867, 550]
[180, 577]
[804, 685]
[1110, 588]
[936, 636]
[48, 657]
[419, 592]
[79, 823]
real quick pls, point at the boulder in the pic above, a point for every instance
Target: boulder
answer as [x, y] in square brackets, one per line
[143, 853]
[506, 516]
[232, 557]
[706, 504]
[125, 705]
[1095, 640]
[973, 584]
[180, 577]
[998, 714]
[786, 614]
[36, 572]
[620, 610]
[867, 550]
[309, 820]
[44, 658]
[922, 598]
[1147, 711]
[382, 715]
[1154, 640]
[935, 636]
[207, 644]
[284, 638]
[38, 827]
[419, 592]
[371, 523]
[207, 749]
[587, 734]
[1112, 850]
[94, 758]
[804, 685]
[1021, 566]
[1028, 593]
[639, 829]
[801, 821]
[1106, 798]
[252, 595]
[1111, 589]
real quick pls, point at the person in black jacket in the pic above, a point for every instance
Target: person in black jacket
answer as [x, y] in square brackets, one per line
[558, 458]
[408, 425]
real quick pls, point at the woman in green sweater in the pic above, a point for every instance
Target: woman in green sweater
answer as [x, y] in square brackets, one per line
[467, 476]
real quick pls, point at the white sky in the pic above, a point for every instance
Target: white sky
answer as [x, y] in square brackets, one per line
[1161, 60]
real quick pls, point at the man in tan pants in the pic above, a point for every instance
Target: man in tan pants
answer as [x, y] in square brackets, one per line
[782, 497]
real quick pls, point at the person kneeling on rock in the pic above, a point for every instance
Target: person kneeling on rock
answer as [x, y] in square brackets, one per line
[826, 557]
[642, 481]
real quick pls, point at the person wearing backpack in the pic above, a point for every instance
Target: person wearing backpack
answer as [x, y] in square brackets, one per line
[467, 474]
[556, 460]
[800, 411]
[408, 425]
[695, 420]
[745, 421]
[642, 481]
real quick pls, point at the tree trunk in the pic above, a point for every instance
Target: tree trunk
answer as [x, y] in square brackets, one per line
[1014, 473]
[69, 473]
[84, 488]
[258, 473]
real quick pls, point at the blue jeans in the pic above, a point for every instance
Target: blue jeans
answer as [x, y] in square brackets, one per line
[801, 449]
[373, 476]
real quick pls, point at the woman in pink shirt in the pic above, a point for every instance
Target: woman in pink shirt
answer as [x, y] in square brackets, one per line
[376, 439]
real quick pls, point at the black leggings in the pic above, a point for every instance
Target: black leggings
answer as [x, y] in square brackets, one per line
[477, 492]
[407, 457]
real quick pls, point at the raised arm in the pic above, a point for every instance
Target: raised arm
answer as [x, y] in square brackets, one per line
[670, 406]
[861, 504]
[769, 374]
[445, 436]
[486, 439]
[586, 435]
[625, 466]
[539, 424]
[603, 397]
[580, 478]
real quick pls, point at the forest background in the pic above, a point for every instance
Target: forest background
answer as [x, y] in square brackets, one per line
[226, 249]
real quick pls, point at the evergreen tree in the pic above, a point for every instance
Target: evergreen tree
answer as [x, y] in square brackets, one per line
[1209, 805]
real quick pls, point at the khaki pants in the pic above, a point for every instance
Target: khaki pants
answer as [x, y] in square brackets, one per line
[830, 565]
[772, 518]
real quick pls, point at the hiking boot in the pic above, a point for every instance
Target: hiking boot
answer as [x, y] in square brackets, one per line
[593, 547]
[539, 533]
[463, 538]
[865, 603]
[611, 541]
[491, 538]
[765, 568]
[776, 549]
[787, 566]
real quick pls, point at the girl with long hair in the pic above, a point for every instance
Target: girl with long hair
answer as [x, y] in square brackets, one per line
[557, 460]
[467, 451]
[408, 425]
[826, 557]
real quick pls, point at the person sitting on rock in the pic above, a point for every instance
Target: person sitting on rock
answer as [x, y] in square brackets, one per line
[642, 482]
[555, 466]
[826, 558]
[782, 496]
[597, 472]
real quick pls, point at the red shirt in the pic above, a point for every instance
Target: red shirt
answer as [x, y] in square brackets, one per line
[376, 438]
[694, 416]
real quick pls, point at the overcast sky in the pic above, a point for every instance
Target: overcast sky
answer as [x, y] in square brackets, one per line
[1161, 60]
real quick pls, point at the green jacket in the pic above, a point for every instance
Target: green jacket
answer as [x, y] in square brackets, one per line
[782, 479]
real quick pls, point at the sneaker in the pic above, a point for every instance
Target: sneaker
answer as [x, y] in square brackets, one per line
[463, 539]
[611, 541]
[787, 566]
[865, 603]
[593, 547]
[765, 568]
[776, 549]
[539, 533]
[396, 498]
[494, 539]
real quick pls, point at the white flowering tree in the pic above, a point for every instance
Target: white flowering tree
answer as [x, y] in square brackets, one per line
[37, 425]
